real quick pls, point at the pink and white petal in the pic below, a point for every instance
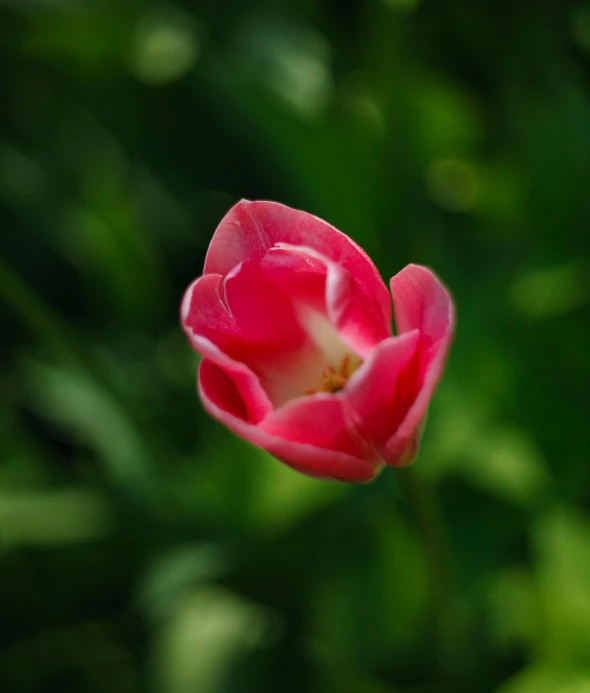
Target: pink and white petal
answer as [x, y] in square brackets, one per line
[420, 302]
[273, 340]
[210, 327]
[305, 273]
[302, 275]
[250, 229]
[264, 313]
[253, 322]
[255, 403]
[203, 309]
[292, 374]
[356, 320]
[372, 403]
[316, 420]
[243, 313]
[222, 402]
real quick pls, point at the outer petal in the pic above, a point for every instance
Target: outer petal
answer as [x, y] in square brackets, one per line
[241, 313]
[249, 229]
[249, 401]
[221, 399]
[420, 302]
[312, 279]
[318, 420]
[373, 401]
[254, 322]
[359, 419]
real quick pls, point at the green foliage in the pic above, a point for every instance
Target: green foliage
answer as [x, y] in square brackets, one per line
[144, 548]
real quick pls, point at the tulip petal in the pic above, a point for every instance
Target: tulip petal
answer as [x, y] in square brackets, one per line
[250, 229]
[241, 390]
[243, 313]
[372, 401]
[221, 399]
[358, 420]
[253, 322]
[313, 280]
[420, 302]
[302, 275]
[318, 420]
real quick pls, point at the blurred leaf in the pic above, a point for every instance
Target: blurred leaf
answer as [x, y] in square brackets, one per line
[499, 458]
[514, 608]
[293, 62]
[197, 646]
[507, 461]
[176, 574]
[546, 680]
[562, 545]
[82, 405]
[52, 517]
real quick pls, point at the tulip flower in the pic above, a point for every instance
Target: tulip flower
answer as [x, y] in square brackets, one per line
[294, 325]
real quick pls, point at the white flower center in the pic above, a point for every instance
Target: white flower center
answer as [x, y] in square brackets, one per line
[325, 367]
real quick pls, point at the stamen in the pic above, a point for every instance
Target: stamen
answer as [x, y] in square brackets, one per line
[345, 367]
[334, 380]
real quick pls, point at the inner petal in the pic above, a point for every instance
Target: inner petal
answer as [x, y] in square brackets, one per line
[323, 364]
[271, 315]
[338, 362]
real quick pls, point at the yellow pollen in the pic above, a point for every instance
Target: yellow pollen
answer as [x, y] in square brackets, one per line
[334, 380]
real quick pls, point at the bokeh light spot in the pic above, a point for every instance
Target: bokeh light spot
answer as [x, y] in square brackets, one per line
[542, 293]
[452, 184]
[293, 62]
[165, 49]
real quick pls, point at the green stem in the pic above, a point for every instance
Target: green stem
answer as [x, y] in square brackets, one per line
[429, 516]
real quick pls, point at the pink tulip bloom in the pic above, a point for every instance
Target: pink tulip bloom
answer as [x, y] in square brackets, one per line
[293, 323]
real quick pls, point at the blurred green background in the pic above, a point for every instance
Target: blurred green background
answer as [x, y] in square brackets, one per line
[142, 546]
